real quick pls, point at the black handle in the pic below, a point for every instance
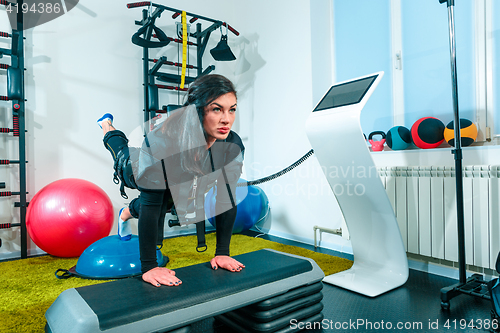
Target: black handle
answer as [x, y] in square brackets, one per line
[449, 2]
[173, 223]
[66, 274]
[376, 133]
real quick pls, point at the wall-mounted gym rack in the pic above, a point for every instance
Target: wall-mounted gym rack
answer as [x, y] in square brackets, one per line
[16, 95]
[152, 73]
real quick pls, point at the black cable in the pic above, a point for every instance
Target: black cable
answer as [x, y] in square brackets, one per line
[278, 174]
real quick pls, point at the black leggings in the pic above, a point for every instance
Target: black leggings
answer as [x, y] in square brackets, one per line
[150, 207]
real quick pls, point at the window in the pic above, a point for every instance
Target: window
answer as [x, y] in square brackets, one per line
[371, 36]
[493, 40]
[426, 60]
[362, 46]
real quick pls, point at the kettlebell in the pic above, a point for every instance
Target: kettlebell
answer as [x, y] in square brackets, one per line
[377, 145]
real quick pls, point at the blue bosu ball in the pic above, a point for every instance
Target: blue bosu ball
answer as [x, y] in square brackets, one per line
[112, 258]
[252, 203]
[398, 138]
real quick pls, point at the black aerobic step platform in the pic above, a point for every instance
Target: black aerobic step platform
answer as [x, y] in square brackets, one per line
[281, 311]
[287, 297]
[131, 305]
[277, 314]
[285, 324]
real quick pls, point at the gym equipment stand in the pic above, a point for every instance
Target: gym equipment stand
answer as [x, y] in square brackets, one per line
[202, 37]
[16, 94]
[475, 285]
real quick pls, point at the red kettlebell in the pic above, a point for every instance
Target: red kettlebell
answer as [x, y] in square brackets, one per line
[377, 145]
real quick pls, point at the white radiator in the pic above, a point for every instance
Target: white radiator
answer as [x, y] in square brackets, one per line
[424, 201]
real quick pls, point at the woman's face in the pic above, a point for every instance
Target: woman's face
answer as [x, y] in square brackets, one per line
[219, 117]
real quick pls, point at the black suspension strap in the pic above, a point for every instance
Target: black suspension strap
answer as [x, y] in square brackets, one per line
[200, 235]
[118, 174]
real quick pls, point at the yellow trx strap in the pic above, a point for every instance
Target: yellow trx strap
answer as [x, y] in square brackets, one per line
[184, 48]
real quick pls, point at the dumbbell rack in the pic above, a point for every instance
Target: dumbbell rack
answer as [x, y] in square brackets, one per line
[16, 95]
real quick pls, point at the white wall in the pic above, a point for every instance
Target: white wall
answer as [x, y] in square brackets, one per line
[282, 92]
[78, 67]
[83, 64]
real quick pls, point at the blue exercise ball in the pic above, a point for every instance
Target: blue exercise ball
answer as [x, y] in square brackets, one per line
[252, 203]
[398, 138]
[112, 258]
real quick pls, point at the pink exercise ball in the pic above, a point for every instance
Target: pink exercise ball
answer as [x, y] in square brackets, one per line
[68, 215]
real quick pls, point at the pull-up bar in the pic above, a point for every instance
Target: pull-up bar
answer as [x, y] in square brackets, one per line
[178, 12]
[10, 130]
[9, 225]
[176, 40]
[163, 61]
[7, 162]
[138, 4]
[7, 98]
[171, 63]
[148, 30]
[9, 193]
[161, 86]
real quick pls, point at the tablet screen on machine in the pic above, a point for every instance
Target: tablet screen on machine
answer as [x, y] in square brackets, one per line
[346, 93]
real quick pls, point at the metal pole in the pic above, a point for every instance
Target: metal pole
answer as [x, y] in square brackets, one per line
[145, 70]
[199, 52]
[458, 147]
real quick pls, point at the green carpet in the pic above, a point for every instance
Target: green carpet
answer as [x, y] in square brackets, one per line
[28, 286]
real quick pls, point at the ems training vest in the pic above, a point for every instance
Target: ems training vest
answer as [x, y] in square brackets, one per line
[157, 166]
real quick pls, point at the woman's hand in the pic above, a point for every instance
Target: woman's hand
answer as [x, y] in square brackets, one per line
[226, 262]
[161, 275]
